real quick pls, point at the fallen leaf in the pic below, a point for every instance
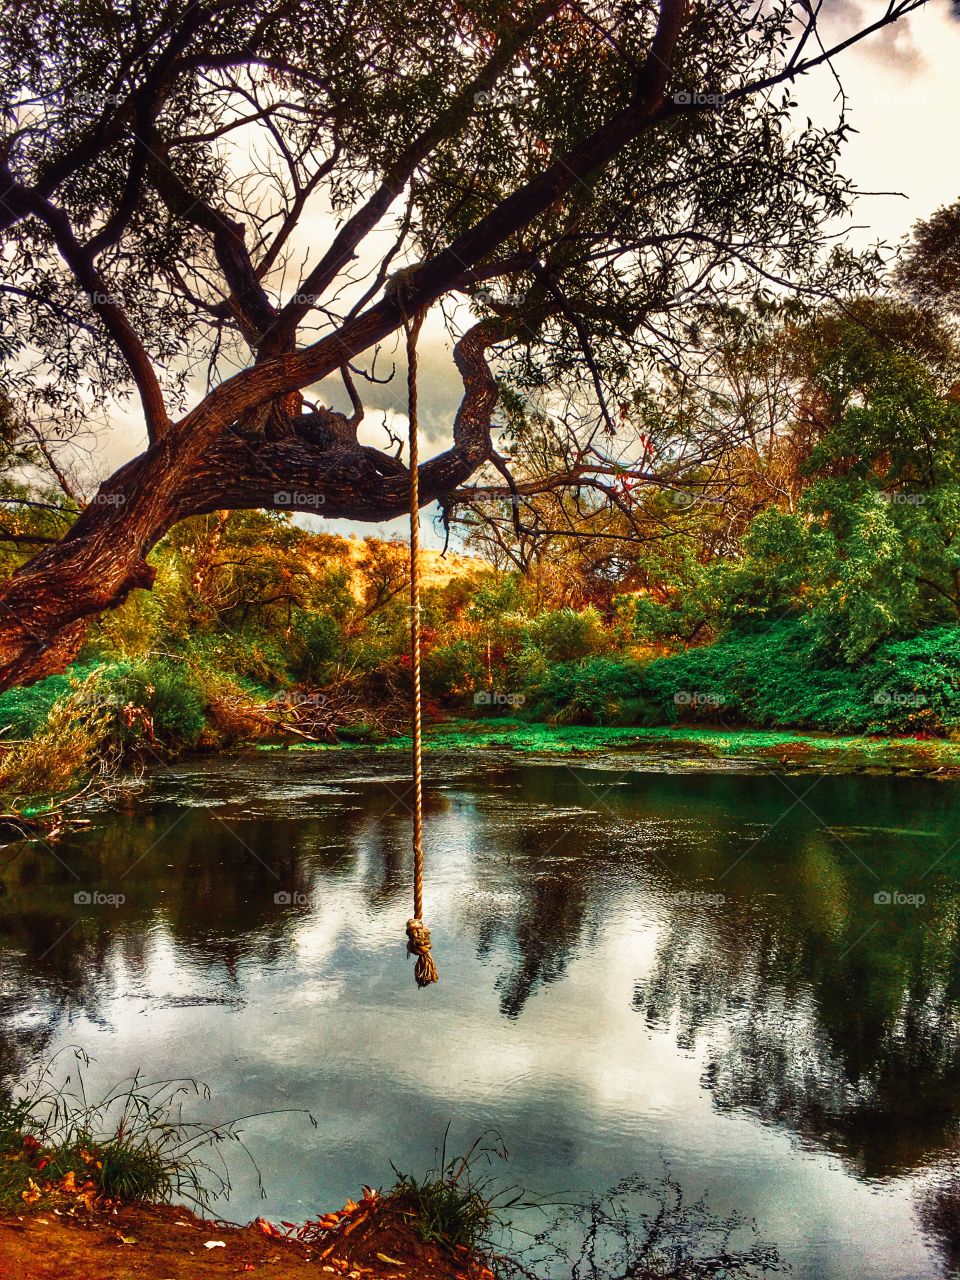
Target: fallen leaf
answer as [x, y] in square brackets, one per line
[32, 1193]
[214, 1244]
[394, 1262]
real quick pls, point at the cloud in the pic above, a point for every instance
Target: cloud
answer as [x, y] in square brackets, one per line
[894, 47]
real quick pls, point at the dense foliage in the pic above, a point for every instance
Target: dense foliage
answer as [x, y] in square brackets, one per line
[810, 581]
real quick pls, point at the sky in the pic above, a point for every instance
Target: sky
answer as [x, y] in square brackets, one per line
[903, 87]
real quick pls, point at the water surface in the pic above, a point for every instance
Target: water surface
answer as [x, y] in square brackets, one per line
[643, 966]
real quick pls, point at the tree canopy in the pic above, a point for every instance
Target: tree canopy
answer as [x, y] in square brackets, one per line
[216, 207]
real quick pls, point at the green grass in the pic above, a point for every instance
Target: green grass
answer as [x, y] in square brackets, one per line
[452, 1205]
[775, 745]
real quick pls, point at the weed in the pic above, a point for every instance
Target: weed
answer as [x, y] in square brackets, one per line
[452, 1204]
[131, 1143]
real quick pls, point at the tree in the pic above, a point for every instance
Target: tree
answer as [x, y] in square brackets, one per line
[579, 173]
[930, 270]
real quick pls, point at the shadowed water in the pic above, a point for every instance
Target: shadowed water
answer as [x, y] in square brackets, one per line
[640, 967]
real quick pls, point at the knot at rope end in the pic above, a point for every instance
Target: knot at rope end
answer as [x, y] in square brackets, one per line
[418, 944]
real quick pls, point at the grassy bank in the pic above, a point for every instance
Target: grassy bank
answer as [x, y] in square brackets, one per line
[123, 1168]
[682, 745]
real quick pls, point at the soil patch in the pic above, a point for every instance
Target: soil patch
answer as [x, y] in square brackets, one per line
[162, 1242]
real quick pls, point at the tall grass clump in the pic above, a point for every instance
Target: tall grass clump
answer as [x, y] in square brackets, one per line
[453, 1204]
[131, 1143]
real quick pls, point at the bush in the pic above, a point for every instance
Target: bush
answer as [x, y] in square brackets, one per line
[565, 635]
[455, 667]
[322, 642]
[75, 742]
[597, 691]
[914, 685]
[167, 692]
[773, 675]
[132, 1143]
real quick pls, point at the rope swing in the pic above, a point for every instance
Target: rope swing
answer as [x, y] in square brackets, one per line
[418, 935]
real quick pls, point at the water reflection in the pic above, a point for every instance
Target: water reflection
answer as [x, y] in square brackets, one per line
[739, 923]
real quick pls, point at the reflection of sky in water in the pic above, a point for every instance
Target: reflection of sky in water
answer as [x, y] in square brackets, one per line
[591, 1008]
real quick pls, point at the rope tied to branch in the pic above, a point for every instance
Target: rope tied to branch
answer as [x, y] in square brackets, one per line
[418, 935]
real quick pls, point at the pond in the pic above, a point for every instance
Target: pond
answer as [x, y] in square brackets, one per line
[746, 978]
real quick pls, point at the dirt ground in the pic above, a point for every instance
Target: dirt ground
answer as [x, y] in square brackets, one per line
[167, 1243]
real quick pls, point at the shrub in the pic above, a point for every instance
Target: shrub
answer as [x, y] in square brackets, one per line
[75, 741]
[773, 675]
[454, 667]
[914, 685]
[596, 691]
[454, 1206]
[322, 642]
[565, 635]
[167, 692]
[130, 1143]
[24, 710]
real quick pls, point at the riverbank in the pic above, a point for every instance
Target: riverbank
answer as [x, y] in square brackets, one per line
[165, 1242]
[683, 746]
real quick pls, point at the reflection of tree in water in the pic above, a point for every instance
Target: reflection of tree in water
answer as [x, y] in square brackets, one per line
[855, 1047]
[647, 1230]
[546, 930]
[812, 1010]
[938, 1209]
[547, 902]
[183, 876]
[205, 882]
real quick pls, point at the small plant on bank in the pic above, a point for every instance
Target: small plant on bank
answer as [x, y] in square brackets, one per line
[454, 1205]
[132, 1143]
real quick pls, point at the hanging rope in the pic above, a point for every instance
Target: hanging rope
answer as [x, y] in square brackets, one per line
[418, 935]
